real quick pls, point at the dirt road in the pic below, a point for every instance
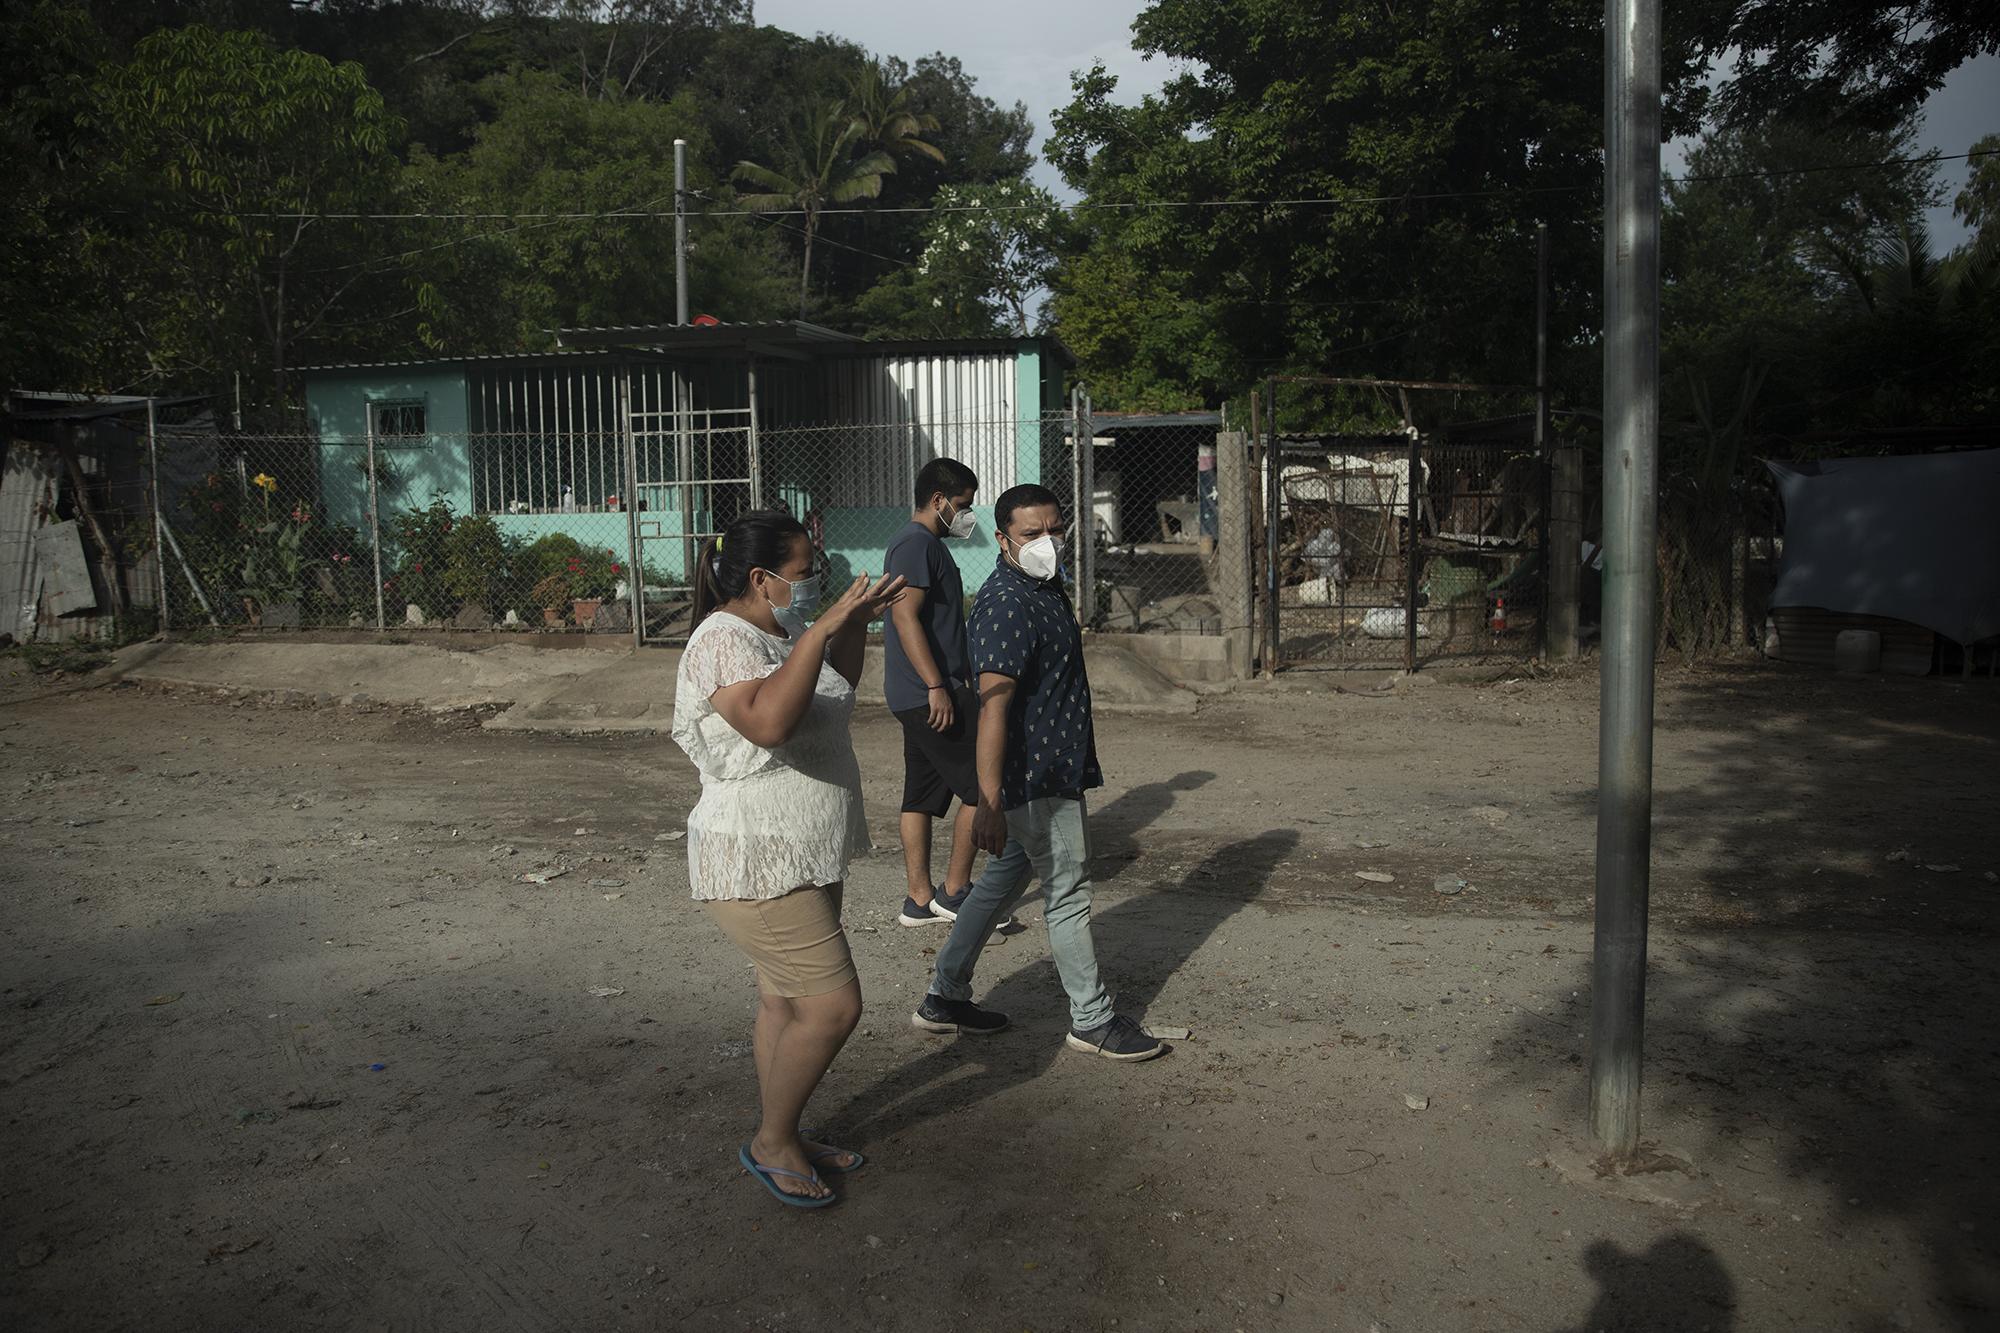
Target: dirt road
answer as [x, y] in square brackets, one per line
[288, 1041]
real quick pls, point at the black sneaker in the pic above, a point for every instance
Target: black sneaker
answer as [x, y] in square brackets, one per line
[932, 913]
[1118, 1039]
[937, 1014]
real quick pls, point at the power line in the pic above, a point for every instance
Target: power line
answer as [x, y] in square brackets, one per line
[1088, 206]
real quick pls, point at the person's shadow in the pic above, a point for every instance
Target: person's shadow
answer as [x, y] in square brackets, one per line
[1141, 942]
[1677, 1286]
[1115, 829]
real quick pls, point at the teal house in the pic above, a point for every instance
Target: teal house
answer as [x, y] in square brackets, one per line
[642, 441]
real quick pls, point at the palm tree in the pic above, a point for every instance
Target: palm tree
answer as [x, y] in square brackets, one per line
[884, 118]
[820, 172]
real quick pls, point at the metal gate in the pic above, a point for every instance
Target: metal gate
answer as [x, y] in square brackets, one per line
[1402, 550]
[695, 469]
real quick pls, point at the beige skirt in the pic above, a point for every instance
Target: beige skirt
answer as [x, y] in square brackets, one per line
[795, 941]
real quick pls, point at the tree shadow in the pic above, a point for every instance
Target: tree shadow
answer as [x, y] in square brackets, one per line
[1141, 942]
[1677, 1286]
[1817, 1011]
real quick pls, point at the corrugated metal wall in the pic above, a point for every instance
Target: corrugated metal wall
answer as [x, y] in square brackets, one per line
[850, 431]
[887, 416]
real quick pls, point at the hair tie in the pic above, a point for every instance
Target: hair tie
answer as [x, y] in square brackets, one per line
[718, 541]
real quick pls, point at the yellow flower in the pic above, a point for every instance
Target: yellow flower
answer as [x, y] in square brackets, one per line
[265, 480]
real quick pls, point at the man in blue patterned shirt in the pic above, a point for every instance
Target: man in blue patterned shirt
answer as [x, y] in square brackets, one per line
[1037, 756]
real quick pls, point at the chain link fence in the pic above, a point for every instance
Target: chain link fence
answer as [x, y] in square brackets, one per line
[579, 532]
[1148, 542]
[1392, 551]
[1718, 552]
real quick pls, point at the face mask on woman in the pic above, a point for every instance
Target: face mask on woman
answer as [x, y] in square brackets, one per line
[805, 597]
[1040, 558]
[961, 523]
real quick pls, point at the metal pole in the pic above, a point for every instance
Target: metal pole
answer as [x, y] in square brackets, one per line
[1544, 465]
[1087, 433]
[1631, 512]
[1413, 558]
[159, 539]
[628, 491]
[375, 523]
[680, 233]
[1079, 505]
[1274, 516]
[755, 454]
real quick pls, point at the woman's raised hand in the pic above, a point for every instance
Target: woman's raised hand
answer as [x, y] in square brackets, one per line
[863, 602]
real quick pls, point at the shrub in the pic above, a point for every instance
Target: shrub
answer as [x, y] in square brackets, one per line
[478, 562]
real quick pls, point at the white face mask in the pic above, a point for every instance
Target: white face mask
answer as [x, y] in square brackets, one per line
[805, 597]
[961, 523]
[1040, 558]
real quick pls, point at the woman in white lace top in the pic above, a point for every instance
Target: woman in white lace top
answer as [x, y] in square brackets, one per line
[761, 705]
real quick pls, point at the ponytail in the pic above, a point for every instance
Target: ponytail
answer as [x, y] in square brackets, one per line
[760, 539]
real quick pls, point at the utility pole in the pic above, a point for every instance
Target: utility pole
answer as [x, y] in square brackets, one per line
[1631, 517]
[680, 233]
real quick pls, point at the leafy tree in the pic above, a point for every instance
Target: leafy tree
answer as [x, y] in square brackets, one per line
[992, 245]
[228, 152]
[504, 285]
[61, 322]
[883, 116]
[816, 172]
[1843, 62]
[1434, 134]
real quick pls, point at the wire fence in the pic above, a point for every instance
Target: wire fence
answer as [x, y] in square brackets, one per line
[592, 532]
[596, 532]
[1398, 551]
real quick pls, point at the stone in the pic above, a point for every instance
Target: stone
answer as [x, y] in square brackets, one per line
[471, 616]
[413, 614]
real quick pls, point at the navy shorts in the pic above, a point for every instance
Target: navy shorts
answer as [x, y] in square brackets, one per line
[938, 765]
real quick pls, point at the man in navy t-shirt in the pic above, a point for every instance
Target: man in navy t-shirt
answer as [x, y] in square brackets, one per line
[1037, 759]
[928, 680]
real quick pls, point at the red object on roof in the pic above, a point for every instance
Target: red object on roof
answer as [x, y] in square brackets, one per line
[705, 321]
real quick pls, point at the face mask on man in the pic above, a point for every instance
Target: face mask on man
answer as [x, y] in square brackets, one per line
[960, 523]
[805, 598]
[1040, 558]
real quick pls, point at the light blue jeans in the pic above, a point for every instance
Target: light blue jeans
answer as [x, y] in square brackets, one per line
[1047, 839]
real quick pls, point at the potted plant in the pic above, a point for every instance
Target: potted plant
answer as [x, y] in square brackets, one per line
[593, 576]
[552, 595]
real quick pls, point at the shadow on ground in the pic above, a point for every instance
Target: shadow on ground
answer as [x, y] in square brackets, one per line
[1138, 949]
[1850, 1054]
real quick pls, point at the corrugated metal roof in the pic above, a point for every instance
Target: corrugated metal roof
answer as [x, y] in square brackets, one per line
[1144, 421]
[524, 357]
[706, 337]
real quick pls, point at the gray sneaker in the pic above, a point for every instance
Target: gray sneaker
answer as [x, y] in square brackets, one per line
[1118, 1039]
[937, 1014]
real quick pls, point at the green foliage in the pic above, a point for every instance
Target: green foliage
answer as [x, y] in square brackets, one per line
[547, 150]
[819, 168]
[224, 148]
[420, 538]
[1797, 299]
[479, 562]
[551, 554]
[1383, 110]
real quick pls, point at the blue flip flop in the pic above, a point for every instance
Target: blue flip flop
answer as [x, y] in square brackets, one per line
[766, 1177]
[818, 1159]
[823, 1160]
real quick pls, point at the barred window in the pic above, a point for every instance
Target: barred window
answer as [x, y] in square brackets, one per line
[399, 420]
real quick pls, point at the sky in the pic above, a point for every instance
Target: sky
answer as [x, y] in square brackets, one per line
[1024, 50]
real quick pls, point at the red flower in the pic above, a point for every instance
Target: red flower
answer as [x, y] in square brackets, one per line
[418, 568]
[216, 505]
